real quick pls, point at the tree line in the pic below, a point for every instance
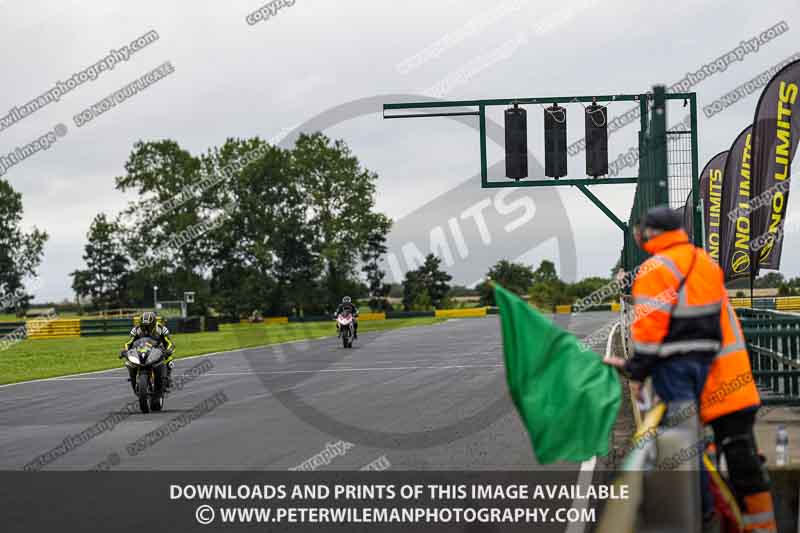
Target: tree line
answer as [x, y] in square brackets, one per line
[288, 232]
[541, 286]
[247, 227]
[20, 252]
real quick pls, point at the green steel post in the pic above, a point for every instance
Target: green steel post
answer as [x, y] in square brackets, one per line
[659, 140]
[643, 118]
[696, 213]
[527, 101]
[549, 182]
[484, 165]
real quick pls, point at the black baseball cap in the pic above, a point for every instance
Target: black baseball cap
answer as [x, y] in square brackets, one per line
[661, 217]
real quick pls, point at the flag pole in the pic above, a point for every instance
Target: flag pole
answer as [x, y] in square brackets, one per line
[753, 258]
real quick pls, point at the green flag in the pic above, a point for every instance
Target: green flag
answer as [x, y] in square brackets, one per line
[567, 397]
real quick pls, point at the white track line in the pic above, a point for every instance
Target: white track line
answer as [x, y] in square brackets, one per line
[188, 358]
[584, 480]
[362, 369]
[365, 369]
[75, 377]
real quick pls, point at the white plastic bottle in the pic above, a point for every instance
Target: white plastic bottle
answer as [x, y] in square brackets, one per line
[782, 446]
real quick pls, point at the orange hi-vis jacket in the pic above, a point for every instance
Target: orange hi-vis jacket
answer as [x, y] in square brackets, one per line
[729, 386]
[681, 308]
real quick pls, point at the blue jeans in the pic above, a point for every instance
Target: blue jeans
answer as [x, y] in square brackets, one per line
[682, 379]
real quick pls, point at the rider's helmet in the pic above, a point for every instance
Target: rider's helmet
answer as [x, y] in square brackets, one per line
[346, 300]
[148, 322]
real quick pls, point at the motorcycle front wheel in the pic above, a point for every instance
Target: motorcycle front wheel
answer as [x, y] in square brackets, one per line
[157, 403]
[142, 382]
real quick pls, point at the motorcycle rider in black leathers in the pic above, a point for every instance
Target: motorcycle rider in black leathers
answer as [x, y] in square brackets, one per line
[149, 327]
[347, 306]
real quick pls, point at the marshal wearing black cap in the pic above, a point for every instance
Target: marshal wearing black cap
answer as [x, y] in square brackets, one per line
[662, 218]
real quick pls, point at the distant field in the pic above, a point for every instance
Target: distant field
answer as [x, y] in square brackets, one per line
[36, 359]
[11, 317]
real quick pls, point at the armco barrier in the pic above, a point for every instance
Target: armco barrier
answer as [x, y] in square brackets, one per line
[788, 303]
[780, 303]
[106, 327]
[192, 324]
[97, 327]
[470, 312]
[9, 327]
[53, 329]
[599, 307]
[311, 318]
[372, 316]
[122, 326]
[211, 323]
[408, 314]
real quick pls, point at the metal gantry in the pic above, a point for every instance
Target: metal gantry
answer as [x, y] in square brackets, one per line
[652, 178]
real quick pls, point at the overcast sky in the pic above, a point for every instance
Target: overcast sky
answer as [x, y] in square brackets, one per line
[236, 79]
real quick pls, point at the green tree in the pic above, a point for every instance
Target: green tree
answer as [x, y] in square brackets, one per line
[547, 290]
[260, 255]
[460, 290]
[586, 286]
[165, 228]
[770, 280]
[547, 295]
[436, 280]
[297, 271]
[514, 277]
[269, 230]
[415, 295]
[546, 273]
[395, 290]
[427, 286]
[106, 275]
[20, 252]
[339, 199]
[371, 256]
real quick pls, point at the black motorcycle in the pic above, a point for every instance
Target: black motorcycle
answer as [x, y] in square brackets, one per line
[146, 362]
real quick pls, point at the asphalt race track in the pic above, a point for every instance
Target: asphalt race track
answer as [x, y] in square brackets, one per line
[426, 398]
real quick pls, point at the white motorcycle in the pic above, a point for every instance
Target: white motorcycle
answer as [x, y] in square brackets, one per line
[346, 329]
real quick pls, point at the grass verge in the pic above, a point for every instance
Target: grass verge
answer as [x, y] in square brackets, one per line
[37, 359]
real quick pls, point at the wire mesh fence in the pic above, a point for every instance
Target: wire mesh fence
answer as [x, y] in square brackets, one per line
[679, 166]
[666, 167]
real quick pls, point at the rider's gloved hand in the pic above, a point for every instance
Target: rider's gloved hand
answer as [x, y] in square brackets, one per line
[123, 353]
